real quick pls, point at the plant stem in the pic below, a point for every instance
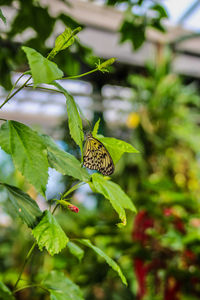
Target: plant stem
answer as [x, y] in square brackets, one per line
[81, 75]
[14, 85]
[55, 208]
[30, 286]
[19, 89]
[24, 264]
[44, 88]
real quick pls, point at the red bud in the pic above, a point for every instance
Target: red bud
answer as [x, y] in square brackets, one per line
[73, 208]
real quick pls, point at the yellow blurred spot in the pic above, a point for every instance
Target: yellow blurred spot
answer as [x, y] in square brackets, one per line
[193, 184]
[171, 282]
[179, 179]
[89, 231]
[133, 120]
[20, 209]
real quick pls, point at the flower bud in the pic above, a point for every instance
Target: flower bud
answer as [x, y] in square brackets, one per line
[73, 208]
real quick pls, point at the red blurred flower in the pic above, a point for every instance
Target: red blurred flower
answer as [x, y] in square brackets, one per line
[168, 212]
[141, 223]
[141, 271]
[179, 225]
[172, 289]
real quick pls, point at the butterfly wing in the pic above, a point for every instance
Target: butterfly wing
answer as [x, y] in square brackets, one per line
[96, 157]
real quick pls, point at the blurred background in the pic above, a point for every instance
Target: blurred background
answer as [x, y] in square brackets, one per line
[151, 99]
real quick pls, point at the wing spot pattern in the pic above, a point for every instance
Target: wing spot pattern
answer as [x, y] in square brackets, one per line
[97, 157]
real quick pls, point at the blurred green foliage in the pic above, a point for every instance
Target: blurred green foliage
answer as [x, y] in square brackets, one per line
[139, 16]
[164, 182]
[33, 16]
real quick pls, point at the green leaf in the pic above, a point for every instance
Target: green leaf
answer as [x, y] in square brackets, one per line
[61, 287]
[25, 207]
[4, 137]
[43, 70]
[5, 293]
[116, 147]
[64, 162]
[134, 31]
[95, 129]
[74, 120]
[109, 260]
[28, 152]
[160, 9]
[64, 40]
[75, 250]
[2, 17]
[156, 23]
[113, 192]
[49, 234]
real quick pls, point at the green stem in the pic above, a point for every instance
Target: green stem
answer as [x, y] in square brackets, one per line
[30, 286]
[24, 264]
[81, 75]
[44, 88]
[55, 208]
[16, 82]
[10, 96]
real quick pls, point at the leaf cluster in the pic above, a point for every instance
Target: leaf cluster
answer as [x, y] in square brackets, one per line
[140, 15]
[32, 154]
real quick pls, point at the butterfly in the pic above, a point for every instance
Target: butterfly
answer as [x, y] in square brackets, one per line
[97, 157]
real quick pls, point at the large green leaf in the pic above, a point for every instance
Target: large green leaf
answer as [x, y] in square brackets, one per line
[75, 250]
[109, 260]
[113, 192]
[49, 234]
[25, 207]
[42, 70]
[5, 293]
[74, 120]
[61, 287]
[116, 147]
[64, 162]
[28, 152]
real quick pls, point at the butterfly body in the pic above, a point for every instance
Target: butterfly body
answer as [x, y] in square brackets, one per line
[97, 157]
